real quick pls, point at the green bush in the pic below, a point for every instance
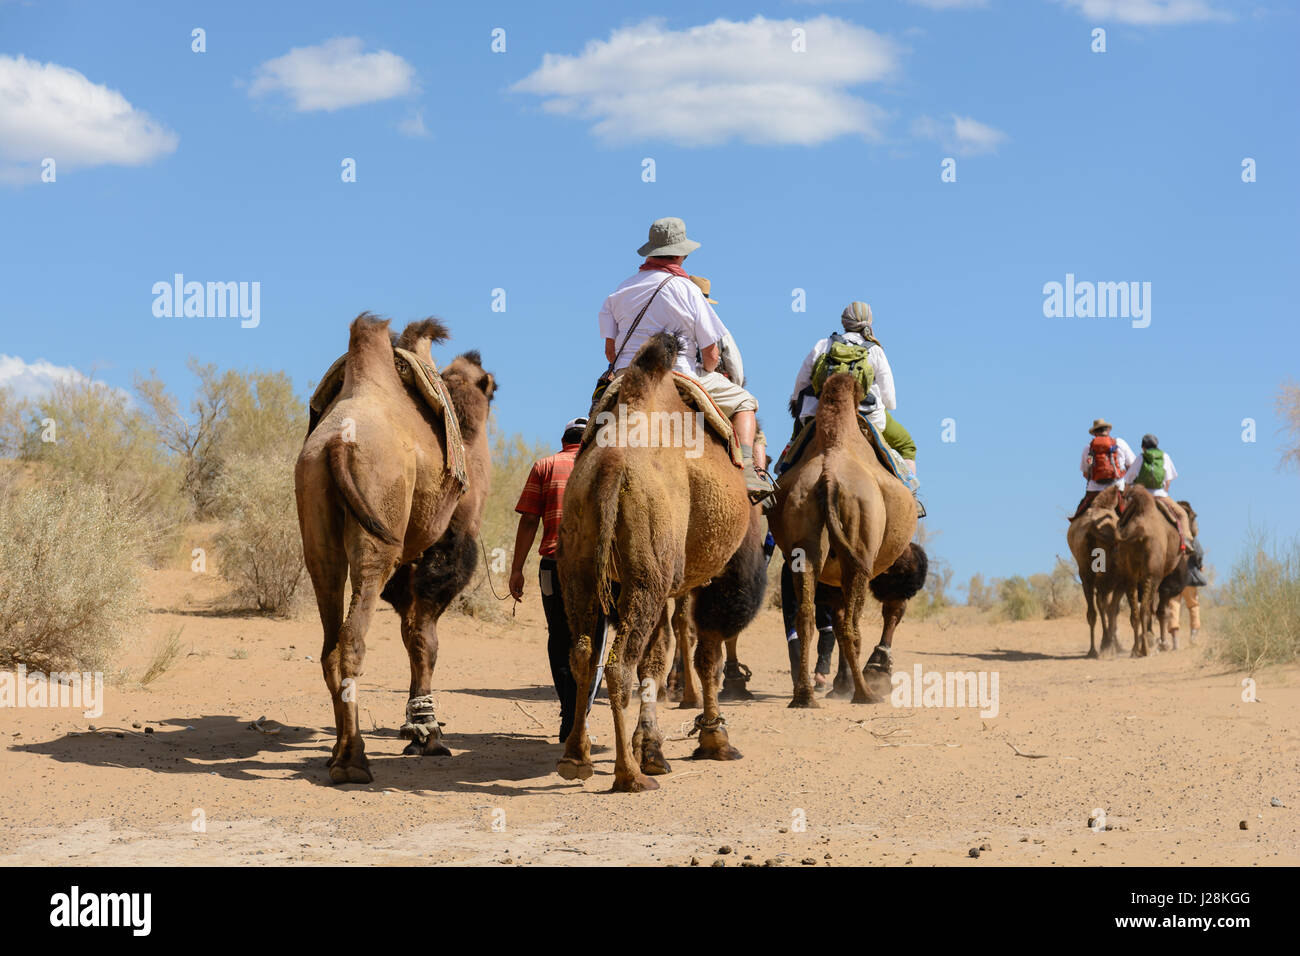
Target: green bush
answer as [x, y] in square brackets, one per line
[69, 563]
[1017, 600]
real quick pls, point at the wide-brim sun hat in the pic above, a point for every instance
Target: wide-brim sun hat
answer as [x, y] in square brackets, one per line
[1098, 424]
[668, 238]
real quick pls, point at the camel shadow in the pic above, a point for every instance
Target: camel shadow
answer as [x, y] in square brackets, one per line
[1004, 655]
[226, 746]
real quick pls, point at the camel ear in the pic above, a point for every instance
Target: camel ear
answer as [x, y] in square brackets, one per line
[487, 385]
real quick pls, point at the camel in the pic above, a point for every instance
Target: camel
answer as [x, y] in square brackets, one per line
[1146, 548]
[1097, 571]
[376, 504]
[679, 685]
[661, 525]
[845, 521]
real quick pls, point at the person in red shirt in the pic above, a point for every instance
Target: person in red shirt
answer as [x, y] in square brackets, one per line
[542, 502]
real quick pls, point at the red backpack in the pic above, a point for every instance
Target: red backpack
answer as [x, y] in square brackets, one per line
[1103, 459]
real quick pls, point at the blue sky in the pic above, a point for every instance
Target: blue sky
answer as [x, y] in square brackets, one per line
[816, 170]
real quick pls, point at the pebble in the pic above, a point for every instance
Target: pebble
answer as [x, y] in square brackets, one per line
[808, 861]
[695, 861]
[974, 852]
[148, 730]
[724, 850]
[1277, 802]
[719, 862]
[1244, 825]
[986, 846]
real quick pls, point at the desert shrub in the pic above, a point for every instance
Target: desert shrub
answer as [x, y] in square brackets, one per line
[1059, 593]
[979, 594]
[1288, 410]
[86, 432]
[69, 563]
[1017, 600]
[1260, 617]
[232, 414]
[259, 550]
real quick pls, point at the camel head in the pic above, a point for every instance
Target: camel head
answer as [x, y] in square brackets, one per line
[842, 389]
[471, 391]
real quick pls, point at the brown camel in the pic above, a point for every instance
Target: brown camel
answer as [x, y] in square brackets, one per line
[842, 519]
[1147, 553]
[654, 524]
[376, 504]
[1097, 571]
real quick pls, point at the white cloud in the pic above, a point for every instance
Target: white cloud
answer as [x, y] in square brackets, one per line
[1148, 12]
[413, 126]
[721, 81]
[960, 134]
[34, 379]
[47, 110]
[334, 75]
[950, 4]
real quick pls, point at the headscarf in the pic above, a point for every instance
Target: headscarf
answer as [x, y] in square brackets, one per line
[856, 317]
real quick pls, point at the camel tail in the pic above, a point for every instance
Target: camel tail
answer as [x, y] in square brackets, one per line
[607, 492]
[356, 504]
[828, 494]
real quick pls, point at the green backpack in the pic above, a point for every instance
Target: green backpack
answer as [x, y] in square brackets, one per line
[843, 356]
[1152, 473]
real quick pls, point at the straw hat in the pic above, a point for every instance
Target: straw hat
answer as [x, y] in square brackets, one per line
[1098, 424]
[703, 283]
[668, 238]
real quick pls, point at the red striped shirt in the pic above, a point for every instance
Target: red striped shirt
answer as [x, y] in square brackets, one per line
[543, 495]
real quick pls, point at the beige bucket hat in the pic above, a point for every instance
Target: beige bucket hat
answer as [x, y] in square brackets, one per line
[668, 238]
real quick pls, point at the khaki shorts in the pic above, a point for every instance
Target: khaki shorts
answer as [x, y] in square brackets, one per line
[727, 395]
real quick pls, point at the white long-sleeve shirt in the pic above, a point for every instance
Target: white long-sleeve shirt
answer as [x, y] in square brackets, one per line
[882, 387]
[1123, 454]
[1171, 473]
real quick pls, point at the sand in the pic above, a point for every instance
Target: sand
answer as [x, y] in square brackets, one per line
[1165, 747]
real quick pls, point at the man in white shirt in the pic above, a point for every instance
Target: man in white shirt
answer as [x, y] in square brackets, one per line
[680, 308]
[1104, 463]
[856, 320]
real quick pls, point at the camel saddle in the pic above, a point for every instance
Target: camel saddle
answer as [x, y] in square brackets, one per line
[695, 397]
[422, 377]
[888, 457]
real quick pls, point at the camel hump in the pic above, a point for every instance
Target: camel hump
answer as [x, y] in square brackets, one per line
[658, 354]
[419, 336]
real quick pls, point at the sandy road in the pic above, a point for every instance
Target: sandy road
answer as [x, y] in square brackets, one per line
[1166, 747]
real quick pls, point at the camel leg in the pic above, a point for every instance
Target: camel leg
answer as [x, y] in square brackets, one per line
[879, 669]
[1108, 603]
[343, 667]
[1091, 598]
[845, 615]
[684, 630]
[648, 743]
[640, 618]
[735, 675]
[714, 742]
[805, 589]
[1135, 621]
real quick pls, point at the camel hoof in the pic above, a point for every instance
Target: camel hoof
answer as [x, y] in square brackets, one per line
[879, 684]
[342, 773]
[637, 783]
[432, 749]
[571, 769]
[801, 702]
[1092, 654]
[653, 764]
[723, 752]
[689, 703]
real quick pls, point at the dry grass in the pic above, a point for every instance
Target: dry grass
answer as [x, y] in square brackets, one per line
[259, 550]
[162, 657]
[1259, 622]
[70, 558]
